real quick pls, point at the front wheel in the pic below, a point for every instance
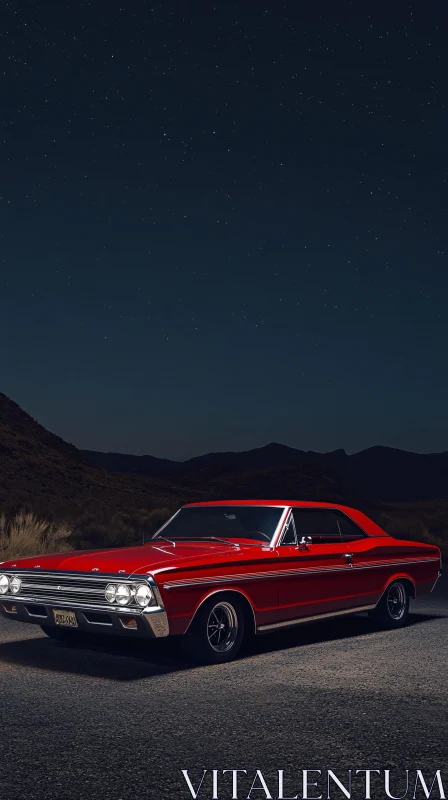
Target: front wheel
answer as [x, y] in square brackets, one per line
[392, 610]
[216, 633]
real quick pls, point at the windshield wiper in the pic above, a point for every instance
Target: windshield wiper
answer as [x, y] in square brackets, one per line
[163, 539]
[208, 539]
[226, 541]
[204, 539]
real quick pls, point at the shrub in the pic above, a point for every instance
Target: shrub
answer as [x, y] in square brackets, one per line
[97, 529]
[420, 525]
[24, 534]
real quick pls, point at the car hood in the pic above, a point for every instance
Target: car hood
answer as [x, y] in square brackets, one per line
[146, 558]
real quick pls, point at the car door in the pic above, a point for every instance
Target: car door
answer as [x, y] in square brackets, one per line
[316, 574]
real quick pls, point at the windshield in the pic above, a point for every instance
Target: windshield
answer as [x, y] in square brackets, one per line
[236, 523]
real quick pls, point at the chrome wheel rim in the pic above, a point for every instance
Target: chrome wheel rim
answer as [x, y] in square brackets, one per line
[396, 601]
[222, 627]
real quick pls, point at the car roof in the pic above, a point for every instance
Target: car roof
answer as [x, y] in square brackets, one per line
[365, 523]
[288, 503]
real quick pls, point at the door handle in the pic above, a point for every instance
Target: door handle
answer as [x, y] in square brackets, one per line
[348, 558]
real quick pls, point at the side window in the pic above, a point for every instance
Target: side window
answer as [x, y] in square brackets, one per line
[289, 534]
[322, 526]
[325, 527]
[349, 529]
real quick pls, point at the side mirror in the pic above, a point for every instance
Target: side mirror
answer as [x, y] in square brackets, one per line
[305, 542]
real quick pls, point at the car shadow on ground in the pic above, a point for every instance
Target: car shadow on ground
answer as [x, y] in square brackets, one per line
[127, 660]
[349, 627]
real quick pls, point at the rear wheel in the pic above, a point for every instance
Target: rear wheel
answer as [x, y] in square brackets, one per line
[216, 633]
[392, 610]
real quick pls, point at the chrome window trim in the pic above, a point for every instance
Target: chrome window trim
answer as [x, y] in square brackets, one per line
[280, 527]
[363, 534]
[289, 520]
[154, 536]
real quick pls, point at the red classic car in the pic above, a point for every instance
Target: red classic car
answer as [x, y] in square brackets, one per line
[217, 571]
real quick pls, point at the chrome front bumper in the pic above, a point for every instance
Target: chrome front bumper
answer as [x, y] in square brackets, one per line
[149, 623]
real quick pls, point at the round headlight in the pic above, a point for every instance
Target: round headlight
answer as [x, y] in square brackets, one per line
[110, 592]
[123, 595]
[143, 595]
[4, 584]
[15, 584]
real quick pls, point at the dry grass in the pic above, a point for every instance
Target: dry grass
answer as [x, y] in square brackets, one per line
[425, 523]
[25, 534]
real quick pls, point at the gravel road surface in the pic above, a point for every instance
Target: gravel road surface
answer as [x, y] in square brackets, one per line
[118, 721]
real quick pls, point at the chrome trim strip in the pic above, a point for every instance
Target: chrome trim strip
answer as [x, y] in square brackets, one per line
[89, 622]
[76, 576]
[286, 573]
[8, 610]
[291, 622]
[58, 601]
[74, 589]
[36, 616]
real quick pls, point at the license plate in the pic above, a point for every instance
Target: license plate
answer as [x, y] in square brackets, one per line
[67, 618]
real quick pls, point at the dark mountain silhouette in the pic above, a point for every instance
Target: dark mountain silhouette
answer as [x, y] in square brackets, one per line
[28, 433]
[121, 462]
[379, 473]
[41, 471]
[306, 482]
[397, 475]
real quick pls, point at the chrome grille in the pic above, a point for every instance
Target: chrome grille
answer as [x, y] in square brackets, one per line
[59, 587]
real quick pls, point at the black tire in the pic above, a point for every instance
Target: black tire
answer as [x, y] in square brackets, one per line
[60, 634]
[217, 631]
[392, 610]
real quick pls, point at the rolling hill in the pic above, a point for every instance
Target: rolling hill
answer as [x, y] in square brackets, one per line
[41, 471]
[379, 473]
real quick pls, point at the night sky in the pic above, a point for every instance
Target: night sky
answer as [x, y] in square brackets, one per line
[225, 224]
